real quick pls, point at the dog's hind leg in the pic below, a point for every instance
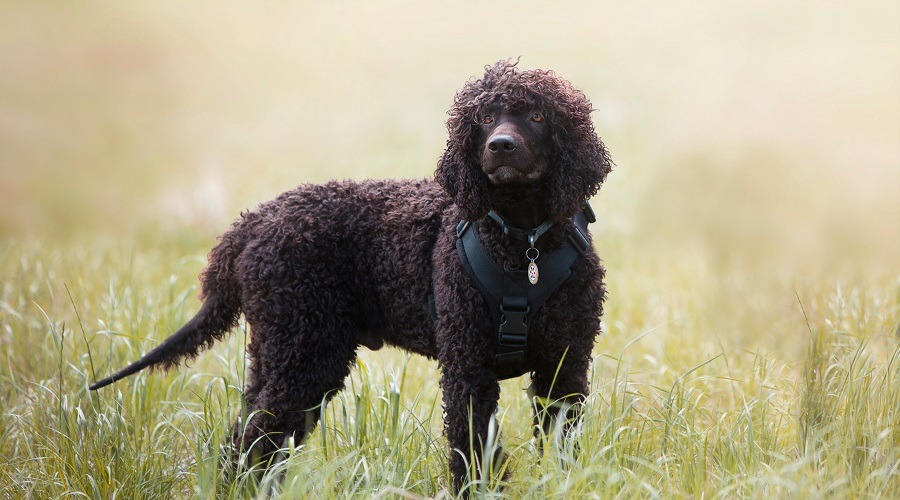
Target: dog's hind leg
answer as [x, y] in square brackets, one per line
[296, 367]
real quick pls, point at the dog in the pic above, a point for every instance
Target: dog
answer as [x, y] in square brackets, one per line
[323, 269]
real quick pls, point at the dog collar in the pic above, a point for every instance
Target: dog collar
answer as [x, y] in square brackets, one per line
[529, 235]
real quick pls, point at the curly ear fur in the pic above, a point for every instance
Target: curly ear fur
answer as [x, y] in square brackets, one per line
[580, 161]
[459, 168]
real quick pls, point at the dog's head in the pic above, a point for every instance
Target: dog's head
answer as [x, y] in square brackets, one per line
[525, 134]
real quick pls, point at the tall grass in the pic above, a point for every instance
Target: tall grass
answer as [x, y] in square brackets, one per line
[709, 421]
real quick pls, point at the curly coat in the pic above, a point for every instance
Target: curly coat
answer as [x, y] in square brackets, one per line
[323, 269]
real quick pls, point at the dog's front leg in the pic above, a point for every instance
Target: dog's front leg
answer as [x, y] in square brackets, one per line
[559, 386]
[557, 403]
[465, 337]
[471, 393]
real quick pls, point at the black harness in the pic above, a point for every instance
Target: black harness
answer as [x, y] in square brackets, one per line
[512, 297]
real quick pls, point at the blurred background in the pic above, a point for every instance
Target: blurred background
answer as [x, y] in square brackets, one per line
[757, 144]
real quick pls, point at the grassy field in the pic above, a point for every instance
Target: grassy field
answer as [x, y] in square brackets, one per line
[751, 231]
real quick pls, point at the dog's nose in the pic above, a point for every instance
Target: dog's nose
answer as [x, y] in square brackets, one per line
[501, 142]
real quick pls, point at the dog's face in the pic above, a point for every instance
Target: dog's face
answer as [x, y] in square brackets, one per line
[523, 135]
[515, 144]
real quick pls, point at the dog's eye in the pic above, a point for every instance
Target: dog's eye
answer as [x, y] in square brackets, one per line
[487, 120]
[537, 118]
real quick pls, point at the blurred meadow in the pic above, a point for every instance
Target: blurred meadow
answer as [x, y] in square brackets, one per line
[751, 232]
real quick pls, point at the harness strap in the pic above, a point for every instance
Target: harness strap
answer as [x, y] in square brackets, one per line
[529, 235]
[512, 299]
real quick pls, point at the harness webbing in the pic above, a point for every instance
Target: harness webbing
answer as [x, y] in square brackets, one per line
[512, 299]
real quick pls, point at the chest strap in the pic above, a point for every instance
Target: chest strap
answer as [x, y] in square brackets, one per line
[513, 300]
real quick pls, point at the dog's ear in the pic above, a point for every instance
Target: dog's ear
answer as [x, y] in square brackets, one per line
[461, 177]
[582, 160]
[458, 170]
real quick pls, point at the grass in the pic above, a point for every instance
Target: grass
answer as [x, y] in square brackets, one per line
[750, 232]
[699, 420]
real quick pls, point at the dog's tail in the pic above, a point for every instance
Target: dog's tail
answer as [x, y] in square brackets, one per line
[219, 314]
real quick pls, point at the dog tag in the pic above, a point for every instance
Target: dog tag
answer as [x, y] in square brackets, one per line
[533, 273]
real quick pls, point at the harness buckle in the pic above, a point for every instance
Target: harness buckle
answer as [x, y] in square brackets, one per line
[513, 335]
[513, 322]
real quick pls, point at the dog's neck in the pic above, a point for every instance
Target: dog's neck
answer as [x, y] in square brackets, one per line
[521, 209]
[524, 223]
[528, 218]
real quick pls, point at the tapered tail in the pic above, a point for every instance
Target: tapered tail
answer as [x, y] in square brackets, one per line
[214, 319]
